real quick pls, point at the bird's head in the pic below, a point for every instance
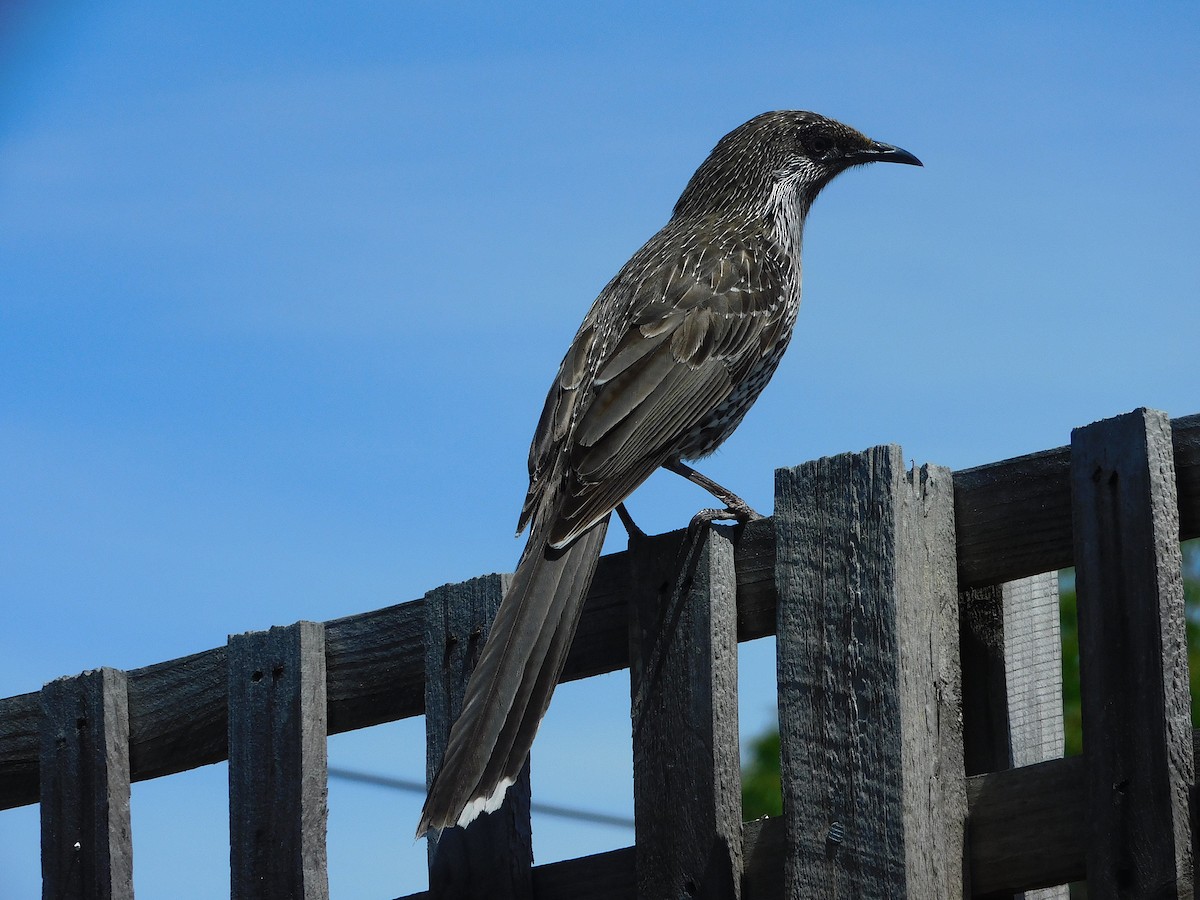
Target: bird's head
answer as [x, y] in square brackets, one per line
[788, 154]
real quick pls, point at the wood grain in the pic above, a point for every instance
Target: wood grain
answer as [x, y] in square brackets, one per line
[278, 782]
[1133, 671]
[1026, 827]
[491, 860]
[683, 683]
[868, 672]
[1012, 519]
[87, 849]
[1012, 679]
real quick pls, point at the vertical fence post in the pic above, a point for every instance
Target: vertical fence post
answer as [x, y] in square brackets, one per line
[87, 853]
[683, 684]
[278, 784]
[1137, 735]
[1012, 681]
[492, 857]
[869, 682]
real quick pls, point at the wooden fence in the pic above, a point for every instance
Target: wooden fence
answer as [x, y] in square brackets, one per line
[919, 699]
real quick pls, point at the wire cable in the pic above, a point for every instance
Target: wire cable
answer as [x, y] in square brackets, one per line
[418, 787]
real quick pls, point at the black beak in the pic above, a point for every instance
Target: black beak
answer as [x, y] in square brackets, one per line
[880, 152]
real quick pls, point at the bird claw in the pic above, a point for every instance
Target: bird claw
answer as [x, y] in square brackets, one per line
[739, 512]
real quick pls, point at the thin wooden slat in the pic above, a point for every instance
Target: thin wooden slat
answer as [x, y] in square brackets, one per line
[1012, 520]
[1033, 669]
[1033, 674]
[492, 857]
[874, 792]
[87, 851]
[1132, 658]
[683, 685]
[278, 785]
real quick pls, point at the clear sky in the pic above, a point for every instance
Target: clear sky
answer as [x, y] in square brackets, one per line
[282, 287]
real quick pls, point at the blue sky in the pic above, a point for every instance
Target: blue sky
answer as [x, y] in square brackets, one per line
[284, 286]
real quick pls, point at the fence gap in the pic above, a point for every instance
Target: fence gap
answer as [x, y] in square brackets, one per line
[683, 686]
[1137, 736]
[1012, 683]
[278, 784]
[874, 790]
[87, 849]
[492, 857]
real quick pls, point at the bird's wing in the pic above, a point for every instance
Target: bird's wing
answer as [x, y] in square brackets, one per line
[663, 347]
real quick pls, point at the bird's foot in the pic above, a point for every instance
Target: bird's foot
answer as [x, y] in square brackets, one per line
[741, 512]
[736, 509]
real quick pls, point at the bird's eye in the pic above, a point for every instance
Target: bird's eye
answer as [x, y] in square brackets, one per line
[819, 145]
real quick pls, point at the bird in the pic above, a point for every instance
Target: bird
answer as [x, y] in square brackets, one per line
[668, 360]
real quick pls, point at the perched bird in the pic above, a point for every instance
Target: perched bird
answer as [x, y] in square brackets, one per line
[665, 365]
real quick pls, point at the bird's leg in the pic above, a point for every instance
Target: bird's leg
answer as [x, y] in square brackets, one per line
[631, 527]
[736, 508]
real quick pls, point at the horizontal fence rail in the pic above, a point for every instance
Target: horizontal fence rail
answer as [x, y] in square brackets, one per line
[1011, 519]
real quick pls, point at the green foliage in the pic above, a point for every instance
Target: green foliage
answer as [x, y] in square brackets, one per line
[1072, 718]
[761, 793]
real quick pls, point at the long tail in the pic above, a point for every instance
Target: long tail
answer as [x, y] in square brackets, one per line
[510, 689]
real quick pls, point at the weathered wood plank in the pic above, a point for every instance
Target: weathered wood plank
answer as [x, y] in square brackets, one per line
[87, 851]
[1026, 831]
[1026, 827]
[874, 789]
[1132, 658]
[375, 674]
[376, 666]
[1185, 442]
[601, 876]
[278, 785]
[1033, 669]
[374, 660]
[492, 857]
[20, 747]
[1012, 682]
[611, 875]
[1033, 674]
[683, 686]
[177, 717]
[930, 678]
[1014, 517]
